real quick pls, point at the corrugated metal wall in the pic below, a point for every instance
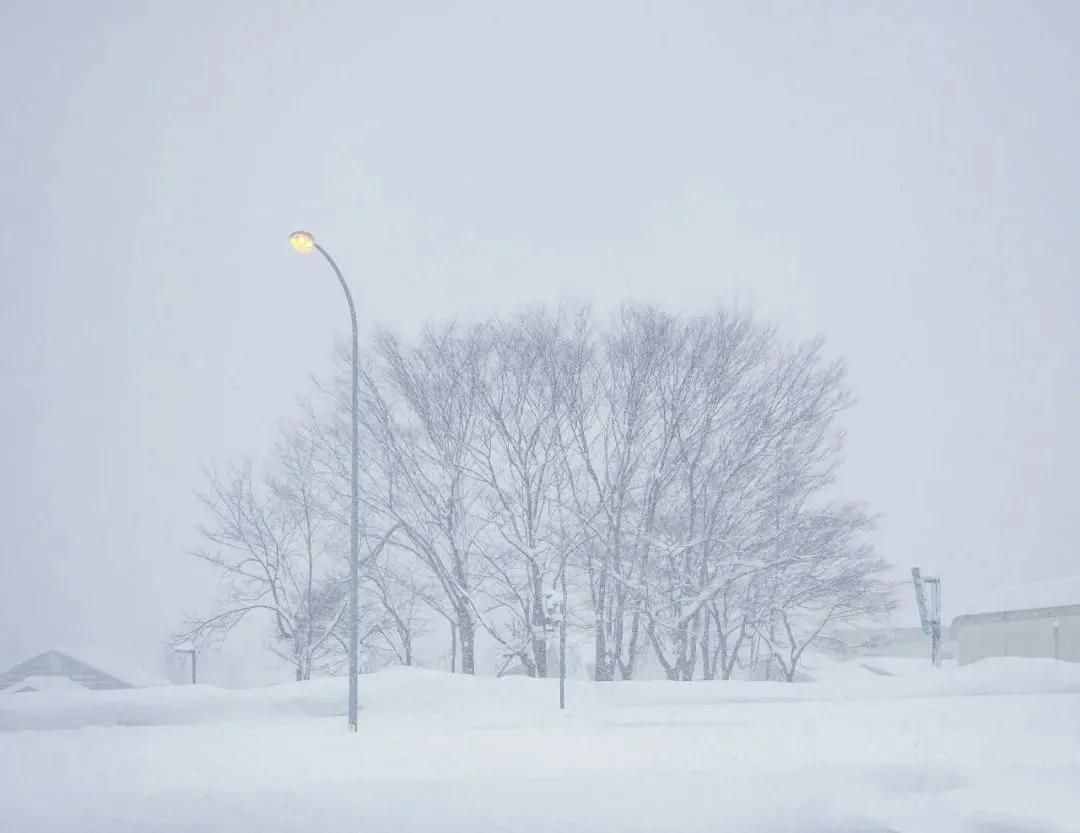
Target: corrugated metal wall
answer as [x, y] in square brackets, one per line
[1051, 633]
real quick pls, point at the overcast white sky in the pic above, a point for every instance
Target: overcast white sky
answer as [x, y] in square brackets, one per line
[904, 181]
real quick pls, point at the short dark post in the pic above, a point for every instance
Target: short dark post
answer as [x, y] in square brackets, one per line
[192, 652]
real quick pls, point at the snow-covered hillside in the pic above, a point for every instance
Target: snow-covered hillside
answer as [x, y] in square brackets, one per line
[893, 746]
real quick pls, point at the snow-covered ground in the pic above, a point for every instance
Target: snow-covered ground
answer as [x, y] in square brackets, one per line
[887, 746]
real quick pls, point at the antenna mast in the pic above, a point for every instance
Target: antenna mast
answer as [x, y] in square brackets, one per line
[929, 614]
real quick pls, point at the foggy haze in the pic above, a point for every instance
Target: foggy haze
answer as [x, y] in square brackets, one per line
[903, 181]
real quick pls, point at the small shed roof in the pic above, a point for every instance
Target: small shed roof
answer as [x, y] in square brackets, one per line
[55, 664]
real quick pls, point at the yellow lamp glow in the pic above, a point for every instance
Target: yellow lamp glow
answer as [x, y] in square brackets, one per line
[302, 241]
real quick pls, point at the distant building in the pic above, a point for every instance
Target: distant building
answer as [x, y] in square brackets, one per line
[55, 670]
[885, 642]
[1035, 620]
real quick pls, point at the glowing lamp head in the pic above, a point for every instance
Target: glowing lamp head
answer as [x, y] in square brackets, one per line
[302, 241]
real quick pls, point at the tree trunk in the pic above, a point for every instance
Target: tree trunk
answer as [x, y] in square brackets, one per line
[708, 665]
[731, 657]
[632, 648]
[602, 664]
[539, 626]
[695, 638]
[602, 671]
[467, 628]
[772, 654]
[615, 647]
[670, 668]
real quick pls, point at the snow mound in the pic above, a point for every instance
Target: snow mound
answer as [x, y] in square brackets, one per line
[857, 750]
[422, 695]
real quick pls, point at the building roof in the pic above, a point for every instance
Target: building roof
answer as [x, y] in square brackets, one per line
[1036, 595]
[27, 675]
[1045, 613]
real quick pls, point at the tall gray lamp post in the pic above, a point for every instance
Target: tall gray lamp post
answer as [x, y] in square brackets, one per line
[304, 243]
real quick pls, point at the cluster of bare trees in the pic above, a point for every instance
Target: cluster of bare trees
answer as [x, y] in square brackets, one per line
[676, 473]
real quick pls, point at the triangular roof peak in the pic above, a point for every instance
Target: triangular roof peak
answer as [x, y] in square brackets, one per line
[58, 664]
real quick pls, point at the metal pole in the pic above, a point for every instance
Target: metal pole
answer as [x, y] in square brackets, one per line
[935, 616]
[562, 641]
[354, 521]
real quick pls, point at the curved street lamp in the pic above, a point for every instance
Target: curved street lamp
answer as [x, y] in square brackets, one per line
[304, 243]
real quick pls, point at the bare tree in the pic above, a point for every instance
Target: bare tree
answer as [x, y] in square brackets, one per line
[714, 404]
[614, 468]
[422, 413]
[677, 471]
[761, 449]
[836, 579]
[516, 459]
[266, 539]
[400, 594]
